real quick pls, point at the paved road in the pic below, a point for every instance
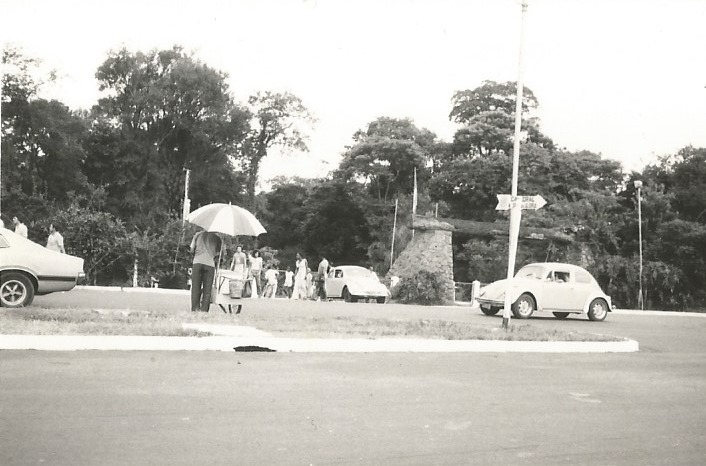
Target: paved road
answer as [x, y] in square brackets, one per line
[118, 408]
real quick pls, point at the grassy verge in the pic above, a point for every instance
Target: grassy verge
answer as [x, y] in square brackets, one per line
[38, 321]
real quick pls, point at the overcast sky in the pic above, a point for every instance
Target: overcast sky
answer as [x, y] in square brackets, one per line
[626, 79]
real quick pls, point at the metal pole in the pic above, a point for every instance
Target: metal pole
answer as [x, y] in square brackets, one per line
[515, 209]
[640, 296]
[187, 202]
[394, 227]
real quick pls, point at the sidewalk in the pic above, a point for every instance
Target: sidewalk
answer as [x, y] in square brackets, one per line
[250, 339]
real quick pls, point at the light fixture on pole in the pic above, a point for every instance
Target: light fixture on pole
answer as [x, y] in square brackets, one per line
[638, 186]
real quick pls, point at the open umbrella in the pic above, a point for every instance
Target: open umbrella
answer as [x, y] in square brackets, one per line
[227, 219]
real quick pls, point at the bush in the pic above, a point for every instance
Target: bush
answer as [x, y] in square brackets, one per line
[422, 288]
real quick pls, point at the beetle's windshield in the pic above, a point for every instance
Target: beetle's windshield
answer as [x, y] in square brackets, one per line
[530, 271]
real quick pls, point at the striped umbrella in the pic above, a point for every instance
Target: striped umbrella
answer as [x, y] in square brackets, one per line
[227, 219]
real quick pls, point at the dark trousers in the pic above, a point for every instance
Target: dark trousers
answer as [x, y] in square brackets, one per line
[201, 286]
[321, 291]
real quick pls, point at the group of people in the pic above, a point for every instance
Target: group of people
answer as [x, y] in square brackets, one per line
[298, 284]
[55, 241]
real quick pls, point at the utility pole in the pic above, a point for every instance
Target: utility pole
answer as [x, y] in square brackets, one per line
[516, 205]
[638, 186]
[394, 229]
[187, 201]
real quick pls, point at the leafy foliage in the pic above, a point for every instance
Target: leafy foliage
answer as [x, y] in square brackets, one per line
[422, 288]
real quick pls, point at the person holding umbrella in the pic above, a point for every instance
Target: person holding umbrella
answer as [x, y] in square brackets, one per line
[205, 246]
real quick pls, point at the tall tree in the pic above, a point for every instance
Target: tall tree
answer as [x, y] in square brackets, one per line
[276, 119]
[384, 157]
[42, 141]
[164, 112]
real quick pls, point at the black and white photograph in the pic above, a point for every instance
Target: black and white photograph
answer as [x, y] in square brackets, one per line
[334, 232]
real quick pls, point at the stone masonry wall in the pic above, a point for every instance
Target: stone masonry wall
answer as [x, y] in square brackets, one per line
[429, 250]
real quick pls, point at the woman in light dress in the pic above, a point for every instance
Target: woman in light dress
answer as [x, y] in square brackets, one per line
[300, 278]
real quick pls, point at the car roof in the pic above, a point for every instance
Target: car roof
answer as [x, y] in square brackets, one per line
[350, 267]
[554, 265]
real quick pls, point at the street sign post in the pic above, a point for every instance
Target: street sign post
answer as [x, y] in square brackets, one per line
[515, 204]
[506, 201]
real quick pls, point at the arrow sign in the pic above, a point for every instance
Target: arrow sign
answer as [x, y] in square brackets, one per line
[506, 201]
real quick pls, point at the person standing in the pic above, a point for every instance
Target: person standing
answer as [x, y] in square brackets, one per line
[271, 283]
[288, 282]
[204, 246]
[321, 275]
[256, 272]
[55, 242]
[20, 228]
[300, 277]
[238, 265]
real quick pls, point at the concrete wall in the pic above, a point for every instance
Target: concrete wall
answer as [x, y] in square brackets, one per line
[429, 250]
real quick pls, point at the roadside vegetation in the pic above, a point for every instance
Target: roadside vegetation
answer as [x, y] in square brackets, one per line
[112, 179]
[38, 321]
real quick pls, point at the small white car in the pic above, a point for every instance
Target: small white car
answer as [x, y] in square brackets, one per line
[352, 283]
[562, 289]
[28, 269]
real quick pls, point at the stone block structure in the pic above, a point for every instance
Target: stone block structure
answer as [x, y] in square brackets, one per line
[431, 250]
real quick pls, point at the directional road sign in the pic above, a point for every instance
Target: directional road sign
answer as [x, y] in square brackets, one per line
[506, 201]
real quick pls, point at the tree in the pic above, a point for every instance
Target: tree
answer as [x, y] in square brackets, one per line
[490, 96]
[487, 115]
[385, 156]
[335, 225]
[275, 120]
[163, 112]
[42, 141]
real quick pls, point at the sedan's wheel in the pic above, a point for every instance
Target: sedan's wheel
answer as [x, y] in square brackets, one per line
[561, 315]
[381, 300]
[348, 297]
[490, 311]
[598, 310]
[523, 307]
[16, 290]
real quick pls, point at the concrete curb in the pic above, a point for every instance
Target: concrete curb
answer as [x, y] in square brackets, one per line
[301, 345]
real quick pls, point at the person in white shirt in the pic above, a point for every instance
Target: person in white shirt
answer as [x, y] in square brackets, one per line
[289, 282]
[20, 228]
[300, 289]
[271, 279]
[256, 272]
[55, 242]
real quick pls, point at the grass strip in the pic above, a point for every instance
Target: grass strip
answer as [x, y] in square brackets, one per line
[39, 321]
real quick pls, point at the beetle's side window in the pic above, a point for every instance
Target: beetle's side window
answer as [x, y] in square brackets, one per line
[561, 277]
[3, 242]
[339, 273]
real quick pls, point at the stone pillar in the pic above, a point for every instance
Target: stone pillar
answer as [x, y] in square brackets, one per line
[430, 250]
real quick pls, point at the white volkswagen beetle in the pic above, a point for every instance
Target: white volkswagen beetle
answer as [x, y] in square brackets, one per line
[352, 282]
[28, 269]
[562, 289]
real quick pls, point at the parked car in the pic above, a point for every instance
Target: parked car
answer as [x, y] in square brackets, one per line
[28, 269]
[562, 289]
[351, 283]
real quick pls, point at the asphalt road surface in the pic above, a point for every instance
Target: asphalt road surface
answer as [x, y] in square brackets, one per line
[184, 408]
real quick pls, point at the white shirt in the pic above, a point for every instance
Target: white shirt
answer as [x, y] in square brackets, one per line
[271, 276]
[21, 229]
[55, 242]
[288, 278]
